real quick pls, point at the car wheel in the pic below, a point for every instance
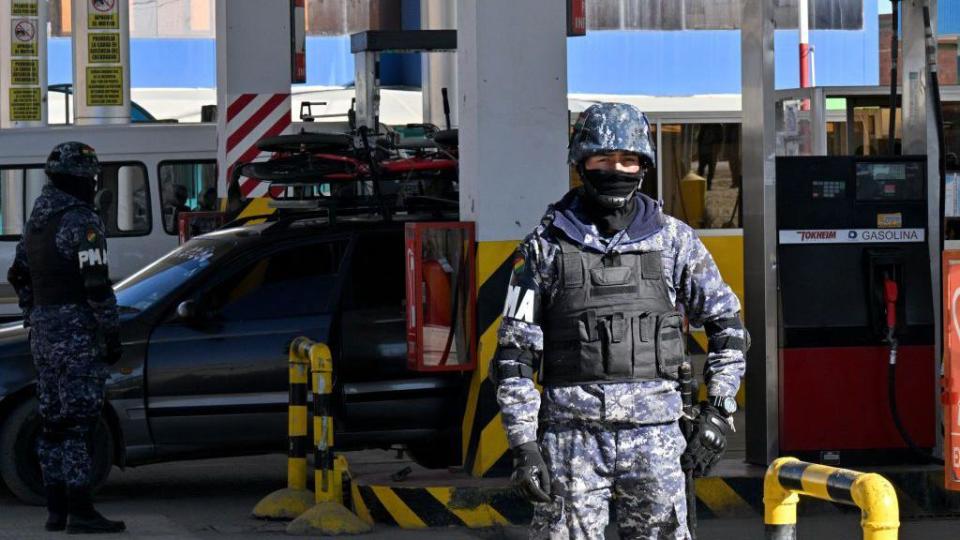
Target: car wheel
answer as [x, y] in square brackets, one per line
[19, 465]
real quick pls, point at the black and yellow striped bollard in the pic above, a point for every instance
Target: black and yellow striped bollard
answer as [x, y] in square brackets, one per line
[295, 499]
[788, 478]
[329, 515]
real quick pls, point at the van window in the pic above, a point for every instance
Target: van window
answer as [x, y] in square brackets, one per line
[19, 188]
[124, 199]
[122, 202]
[186, 186]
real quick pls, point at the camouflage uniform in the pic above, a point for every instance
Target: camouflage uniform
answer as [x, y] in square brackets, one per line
[616, 440]
[66, 339]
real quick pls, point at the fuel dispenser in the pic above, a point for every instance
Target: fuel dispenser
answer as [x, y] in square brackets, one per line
[857, 358]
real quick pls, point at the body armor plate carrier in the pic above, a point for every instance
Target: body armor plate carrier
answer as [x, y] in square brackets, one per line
[56, 280]
[611, 320]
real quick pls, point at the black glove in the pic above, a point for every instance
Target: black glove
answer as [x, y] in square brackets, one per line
[706, 442]
[113, 349]
[530, 477]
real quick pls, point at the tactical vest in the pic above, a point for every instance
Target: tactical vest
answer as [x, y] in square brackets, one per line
[55, 280]
[611, 320]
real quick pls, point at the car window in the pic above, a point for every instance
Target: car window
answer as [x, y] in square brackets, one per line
[381, 284]
[122, 202]
[186, 186]
[292, 282]
[151, 284]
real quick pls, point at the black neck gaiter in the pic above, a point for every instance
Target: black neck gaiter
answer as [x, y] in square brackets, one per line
[610, 221]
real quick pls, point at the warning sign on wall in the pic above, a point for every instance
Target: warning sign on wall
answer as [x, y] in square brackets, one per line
[23, 72]
[24, 8]
[103, 14]
[23, 37]
[103, 48]
[24, 104]
[104, 86]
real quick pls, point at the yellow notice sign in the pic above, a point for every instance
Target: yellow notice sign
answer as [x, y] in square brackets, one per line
[25, 104]
[23, 8]
[23, 37]
[104, 86]
[103, 48]
[24, 72]
[103, 14]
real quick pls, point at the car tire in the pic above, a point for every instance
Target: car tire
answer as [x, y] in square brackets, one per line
[19, 465]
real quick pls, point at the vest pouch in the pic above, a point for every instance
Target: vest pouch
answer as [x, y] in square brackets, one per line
[645, 346]
[617, 346]
[671, 350]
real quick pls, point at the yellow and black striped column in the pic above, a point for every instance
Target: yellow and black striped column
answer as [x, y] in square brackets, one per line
[296, 498]
[327, 485]
[485, 450]
[329, 515]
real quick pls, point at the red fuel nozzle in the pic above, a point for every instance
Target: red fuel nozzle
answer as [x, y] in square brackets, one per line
[890, 294]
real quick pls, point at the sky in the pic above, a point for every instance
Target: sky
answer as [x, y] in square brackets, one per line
[884, 6]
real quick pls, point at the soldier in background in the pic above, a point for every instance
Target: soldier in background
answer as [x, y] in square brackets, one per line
[596, 307]
[61, 278]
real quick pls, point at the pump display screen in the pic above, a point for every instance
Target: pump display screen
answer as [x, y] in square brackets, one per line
[889, 181]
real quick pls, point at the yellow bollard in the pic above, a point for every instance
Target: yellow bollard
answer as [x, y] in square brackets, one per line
[786, 478]
[329, 515]
[295, 499]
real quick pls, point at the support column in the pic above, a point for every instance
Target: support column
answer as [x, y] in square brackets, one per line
[101, 61]
[23, 63]
[439, 69]
[253, 82]
[759, 230]
[512, 75]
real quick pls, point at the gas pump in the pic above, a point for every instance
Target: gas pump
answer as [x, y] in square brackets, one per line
[856, 318]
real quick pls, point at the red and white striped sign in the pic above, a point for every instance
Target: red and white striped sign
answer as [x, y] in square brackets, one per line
[251, 117]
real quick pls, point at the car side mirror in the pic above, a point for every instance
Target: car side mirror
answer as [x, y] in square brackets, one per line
[187, 310]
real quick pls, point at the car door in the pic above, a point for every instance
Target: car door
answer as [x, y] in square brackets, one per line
[217, 382]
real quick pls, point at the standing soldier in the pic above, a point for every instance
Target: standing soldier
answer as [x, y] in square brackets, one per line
[594, 310]
[61, 278]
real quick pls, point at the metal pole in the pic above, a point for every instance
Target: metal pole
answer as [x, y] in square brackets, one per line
[759, 238]
[919, 136]
[804, 25]
[439, 69]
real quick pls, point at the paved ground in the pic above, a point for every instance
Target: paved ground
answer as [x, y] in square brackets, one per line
[212, 499]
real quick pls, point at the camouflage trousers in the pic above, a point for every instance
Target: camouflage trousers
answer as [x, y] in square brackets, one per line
[636, 468]
[70, 385]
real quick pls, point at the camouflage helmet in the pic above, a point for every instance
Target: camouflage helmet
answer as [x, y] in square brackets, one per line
[611, 127]
[73, 159]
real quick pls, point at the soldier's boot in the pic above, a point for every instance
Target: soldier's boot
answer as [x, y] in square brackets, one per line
[56, 507]
[84, 519]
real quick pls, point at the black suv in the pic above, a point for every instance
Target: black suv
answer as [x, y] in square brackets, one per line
[206, 330]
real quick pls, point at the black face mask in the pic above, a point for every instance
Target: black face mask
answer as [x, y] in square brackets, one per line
[84, 189]
[610, 189]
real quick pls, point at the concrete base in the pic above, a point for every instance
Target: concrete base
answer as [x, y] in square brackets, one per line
[430, 498]
[328, 518]
[284, 504]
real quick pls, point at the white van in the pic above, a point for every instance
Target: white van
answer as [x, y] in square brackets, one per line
[150, 173]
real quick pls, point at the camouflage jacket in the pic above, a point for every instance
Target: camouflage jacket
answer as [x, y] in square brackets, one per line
[694, 285]
[80, 231]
